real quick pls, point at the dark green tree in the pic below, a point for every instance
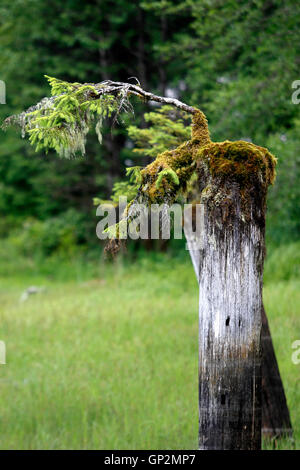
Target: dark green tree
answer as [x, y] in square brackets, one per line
[75, 41]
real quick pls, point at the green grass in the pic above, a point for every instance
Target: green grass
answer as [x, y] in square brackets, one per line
[110, 362]
[282, 302]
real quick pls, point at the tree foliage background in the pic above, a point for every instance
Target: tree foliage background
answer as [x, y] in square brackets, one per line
[235, 59]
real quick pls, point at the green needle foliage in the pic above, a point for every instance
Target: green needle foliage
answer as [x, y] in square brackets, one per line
[167, 129]
[128, 188]
[62, 121]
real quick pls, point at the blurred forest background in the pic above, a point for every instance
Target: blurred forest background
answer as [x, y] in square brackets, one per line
[236, 60]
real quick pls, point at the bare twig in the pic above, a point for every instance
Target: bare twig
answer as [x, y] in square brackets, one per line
[110, 87]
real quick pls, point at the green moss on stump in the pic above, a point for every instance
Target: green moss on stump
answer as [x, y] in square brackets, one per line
[250, 166]
[181, 160]
[240, 161]
[200, 131]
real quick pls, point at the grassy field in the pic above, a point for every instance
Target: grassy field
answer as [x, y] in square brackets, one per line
[109, 360]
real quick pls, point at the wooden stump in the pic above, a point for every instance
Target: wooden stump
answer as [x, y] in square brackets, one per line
[276, 420]
[229, 333]
[233, 179]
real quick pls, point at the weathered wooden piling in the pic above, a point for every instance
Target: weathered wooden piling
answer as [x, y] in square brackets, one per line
[276, 422]
[233, 179]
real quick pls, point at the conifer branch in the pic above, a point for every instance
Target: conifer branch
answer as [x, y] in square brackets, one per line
[63, 120]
